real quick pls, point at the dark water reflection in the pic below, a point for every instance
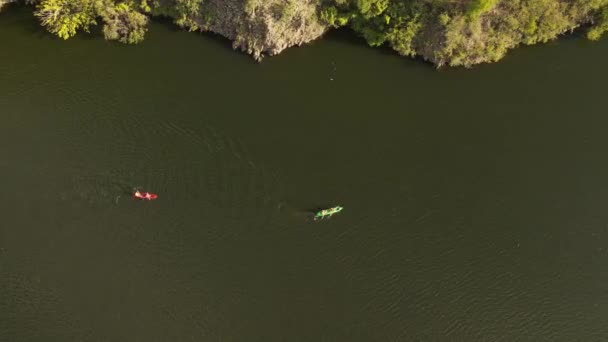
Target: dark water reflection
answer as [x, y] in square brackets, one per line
[475, 199]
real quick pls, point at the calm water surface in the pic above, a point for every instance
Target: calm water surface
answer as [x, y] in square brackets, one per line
[475, 199]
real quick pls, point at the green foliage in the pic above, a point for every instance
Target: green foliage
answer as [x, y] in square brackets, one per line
[601, 26]
[145, 6]
[402, 38]
[65, 17]
[332, 16]
[444, 19]
[392, 22]
[479, 7]
[122, 20]
[124, 24]
[371, 8]
[287, 10]
[186, 11]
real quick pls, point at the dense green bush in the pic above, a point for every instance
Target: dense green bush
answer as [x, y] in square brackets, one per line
[479, 7]
[65, 17]
[123, 23]
[601, 26]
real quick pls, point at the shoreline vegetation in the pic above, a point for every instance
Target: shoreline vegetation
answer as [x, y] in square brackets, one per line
[443, 32]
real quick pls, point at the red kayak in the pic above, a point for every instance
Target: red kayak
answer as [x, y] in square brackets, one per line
[145, 195]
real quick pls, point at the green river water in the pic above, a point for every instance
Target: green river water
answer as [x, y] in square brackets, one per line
[475, 200]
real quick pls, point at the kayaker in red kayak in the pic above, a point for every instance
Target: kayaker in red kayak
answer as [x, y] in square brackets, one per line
[145, 195]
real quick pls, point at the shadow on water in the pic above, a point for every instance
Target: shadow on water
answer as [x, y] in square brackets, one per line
[26, 18]
[217, 40]
[349, 37]
[346, 36]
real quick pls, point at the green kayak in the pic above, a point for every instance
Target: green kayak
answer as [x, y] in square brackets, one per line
[327, 212]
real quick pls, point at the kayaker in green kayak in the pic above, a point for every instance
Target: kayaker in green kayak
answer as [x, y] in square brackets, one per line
[327, 213]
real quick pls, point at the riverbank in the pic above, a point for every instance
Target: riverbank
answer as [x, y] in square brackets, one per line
[462, 33]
